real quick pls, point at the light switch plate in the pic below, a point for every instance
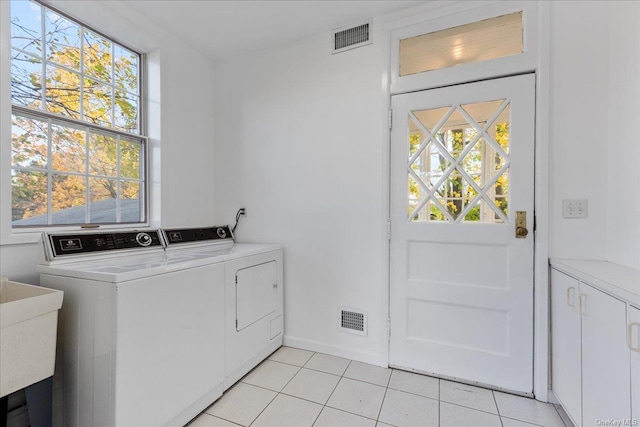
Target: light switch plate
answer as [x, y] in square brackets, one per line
[575, 208]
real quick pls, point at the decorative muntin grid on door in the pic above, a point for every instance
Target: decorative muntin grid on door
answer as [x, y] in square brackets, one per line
[458, 165]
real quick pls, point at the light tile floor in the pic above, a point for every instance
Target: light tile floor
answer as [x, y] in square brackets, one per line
[300, 388]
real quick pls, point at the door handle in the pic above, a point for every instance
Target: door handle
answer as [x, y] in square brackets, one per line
[570, 295]
[630, 337]
[582, 299]
[521, 224]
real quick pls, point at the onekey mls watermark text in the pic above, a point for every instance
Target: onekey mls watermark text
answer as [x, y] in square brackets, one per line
[622, 422]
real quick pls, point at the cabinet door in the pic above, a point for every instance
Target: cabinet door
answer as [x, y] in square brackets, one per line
[565, 344]
[634, 344]
[256, 293]
[606, 383]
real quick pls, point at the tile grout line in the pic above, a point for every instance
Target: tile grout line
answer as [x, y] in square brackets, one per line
[220, 418]
[386, 389]
[277, 393]
[351, 379]
[525, 422]
[210, 415]
[439, 401]
[334, 389]
[495, 401]
[466, 407]
[264, 409]
[330, 394]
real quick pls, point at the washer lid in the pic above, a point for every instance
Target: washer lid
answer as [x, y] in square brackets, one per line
[126, 268]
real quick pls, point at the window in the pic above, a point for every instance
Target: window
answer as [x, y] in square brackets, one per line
[479, 41]
[459, 163]
[77, 145]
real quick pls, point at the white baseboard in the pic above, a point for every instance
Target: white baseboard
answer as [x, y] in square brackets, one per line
[551, 398]
[563, 414]
[347, 353]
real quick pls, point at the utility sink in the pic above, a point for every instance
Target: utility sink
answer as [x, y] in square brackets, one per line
[28, 326]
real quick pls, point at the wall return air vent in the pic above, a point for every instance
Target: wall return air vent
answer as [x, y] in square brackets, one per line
[352, 320]
[351, 37]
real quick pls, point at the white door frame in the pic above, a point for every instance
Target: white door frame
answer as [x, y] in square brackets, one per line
[537, 59]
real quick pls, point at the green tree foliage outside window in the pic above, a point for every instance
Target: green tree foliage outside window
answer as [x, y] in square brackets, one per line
[62, 75]
[455, 193]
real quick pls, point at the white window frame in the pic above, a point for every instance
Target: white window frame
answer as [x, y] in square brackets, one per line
[476, 11]
[21, 235]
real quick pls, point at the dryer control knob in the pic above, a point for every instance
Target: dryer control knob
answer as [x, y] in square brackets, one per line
[143, 239]
[221, 233]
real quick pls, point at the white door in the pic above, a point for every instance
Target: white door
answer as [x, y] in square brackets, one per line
[461, 298]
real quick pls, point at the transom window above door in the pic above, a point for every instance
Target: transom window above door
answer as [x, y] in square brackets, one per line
[491, 38]
[458, 163]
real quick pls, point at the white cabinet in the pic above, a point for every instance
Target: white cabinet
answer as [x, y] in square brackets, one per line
[591, 358]
[634, 345]
[605, 357]
[565, 344]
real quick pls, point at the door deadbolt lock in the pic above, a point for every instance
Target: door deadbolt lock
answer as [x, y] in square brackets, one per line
[521, 225]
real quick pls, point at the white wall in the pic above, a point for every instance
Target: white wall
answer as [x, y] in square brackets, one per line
[181, 108]
[579, 126]
[594, 150]
[623, 203]
[299, 145]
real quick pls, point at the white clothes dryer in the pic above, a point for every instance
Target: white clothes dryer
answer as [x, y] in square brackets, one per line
[253, 293]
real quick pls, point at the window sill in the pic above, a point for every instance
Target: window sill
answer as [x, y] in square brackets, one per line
[21, 239]
[25, 237]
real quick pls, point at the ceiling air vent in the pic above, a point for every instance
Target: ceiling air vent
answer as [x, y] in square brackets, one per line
[352, 320]
[350, 37]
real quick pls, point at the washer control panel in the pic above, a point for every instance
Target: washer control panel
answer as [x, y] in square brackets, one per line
[75, 244]
[177, 236]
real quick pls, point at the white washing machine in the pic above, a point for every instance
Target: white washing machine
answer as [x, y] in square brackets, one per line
[141, 339]
[253, 296]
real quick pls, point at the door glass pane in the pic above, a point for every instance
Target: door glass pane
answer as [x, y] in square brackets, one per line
[458, 163]
[479, 41]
